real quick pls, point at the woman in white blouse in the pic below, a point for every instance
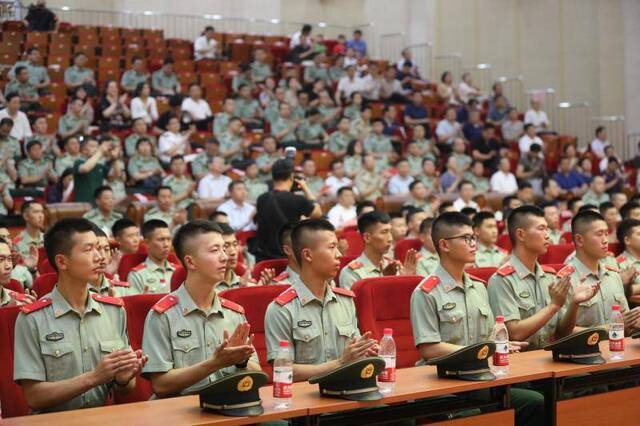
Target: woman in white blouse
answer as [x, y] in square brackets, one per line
[197, 108]
[144, 105]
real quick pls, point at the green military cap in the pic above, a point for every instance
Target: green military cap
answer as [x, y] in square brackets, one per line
[234, 395]
[636, 335]
[581, 347]
[468, 363]
[355, 381]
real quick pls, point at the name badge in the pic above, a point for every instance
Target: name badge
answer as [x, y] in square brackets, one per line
[54, 337]
[184, 333]
[304, 323]
[525, 294]
[448, 306]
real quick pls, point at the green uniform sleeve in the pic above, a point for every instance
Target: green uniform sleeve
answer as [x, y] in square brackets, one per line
[156, 343]
[28, 365]
[135, 280]
[424, 318]
[503, 299]
[277, 327]
[347, 278]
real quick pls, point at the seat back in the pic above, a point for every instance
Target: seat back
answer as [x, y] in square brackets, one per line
[128, 262]
[278, 265]
[14, 285]
[615, 248]
[556, 253]
[385, 302]
[356, 243]
[178, 277]
[255, 301]
[11, 398]
[556, 266]
[403, 246]
[137, 307]
[504, 242]
[483, 273]
[44, 283]
[45, 267]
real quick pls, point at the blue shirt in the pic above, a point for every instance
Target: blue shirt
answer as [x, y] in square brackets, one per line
[359, 46]
[462, 116]
[415, 112]
[446, 180]
[573, 180]
[472, 132]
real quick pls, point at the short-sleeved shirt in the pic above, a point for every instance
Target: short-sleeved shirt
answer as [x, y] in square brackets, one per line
[131, 141]
[626, 260]
[315, 72]
[234, 282]
[23, 242]
[266, 159]
[517, 294]
[163, 81]
[260, 71]
[352, 163]
[591, 197]
[361, 268]
[68, 122]
[596, 312]
[103, 222]
[220, 123]
[179, 185]
[90, 181]
[25, 90]
[339, 141]
[366, 180]
[64, 162]
[57, 343]
[131, 78]
[427, 262]
[317, 330]
[37, 73]
[281, 124]
[157, 278]
[490, 256]
[229, 141]
[336, 73]
[139, 164]
[156, 213]
[12, 145]
[28, 167]
[326, 112]
[184, 335]
[199, 165]
[21, 274]
[379, 144]
[308, 131]
[120, 288]
[481, 184]
[76, 75]
[444, 311]
[239, 80]
[255, 188]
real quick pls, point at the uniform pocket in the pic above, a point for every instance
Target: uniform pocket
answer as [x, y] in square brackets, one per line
[185, 352]
[307, 343]
[109, 346]
[486, 323]
[452, 328]
[59, 360]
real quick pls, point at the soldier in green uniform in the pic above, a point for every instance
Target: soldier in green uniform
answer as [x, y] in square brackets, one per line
[317, 71]
[79, 75]
[231, 141]
[248, 109]
[193, 336]
[596, 194]
[475, 175]
[488, 254]
[71, 346]
[33, 215]
[590, 234]
[628, 233]
[284, 128]
[127, 235]
[375, 228]
[339, 140]
[103, 216]
[221, 119]
[418, 197]
[136, 75]
[35, 170]
[166, 210]
[379, 144]
[311, 134]
[318, 322]
[22, 86]
[144, 168]
[140, 131]
[537, 305]
[41, 134]
[73, 123]
[200, 164]
[230, 247]
[552, 216]
[104, 284]
[314, 182]
[38, 75]
[255, 185]
[450, 309]
[181, 184]
[260, 69]
[154, 274]
[10, 297]
[70, 156]
[242, 77]
[165, 81]
[9, 146]
[368, 180]
[269, 155]
[427, 257]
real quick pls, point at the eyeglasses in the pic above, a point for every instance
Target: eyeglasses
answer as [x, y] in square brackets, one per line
[470, 239]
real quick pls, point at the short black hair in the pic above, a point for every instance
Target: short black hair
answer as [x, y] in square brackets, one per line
[176, 158]
[426, 224]
[606, 206]
[626, 209]
[582, 220]
[25, 206]
[281, 170]
[624, 230]
[120, 225]
[441, 227]
[588, 207]
[190, 230]
[362, 205]
[469, 211]
[444, 206]
[151, 225]
[519, 218]
[6, 122]
[213, 215]
[480, 217]
[465, 182]
[59, 238]
[32, 143]
[343, 189]
[99, 190]
[99, 232]
[367, 220]
[298, 237]
[507, 200]
[414, 183]
[225, 228]
[162, 187]
[412, 211]
[9, 97]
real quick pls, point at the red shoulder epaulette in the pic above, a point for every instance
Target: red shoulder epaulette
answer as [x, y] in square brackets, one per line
[611, 267]
[430, 283]
[355, 264]
[548, 269]
[473, 277]
[138, 267]
[506, 270]
[567, 270]
[286, 296]
[35, 306]
[283, 276]
[231, 305]
[17, 239]
[165, 303]
[620, 259]
[17, 296]
[118, 283]
[344, 292]
[116, 301]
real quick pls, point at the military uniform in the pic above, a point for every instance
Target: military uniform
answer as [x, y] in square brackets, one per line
[37, 73]
[360, 268]
[179, 185]
[64, 162]
[260, 71]
[12, 146]
[315, 72]
[23, 242]
[329, 111]
[75, 75]
[336, 73]
[481, 184]
[352, 164]
[25, 90]
[271, 111]
[463, 161]
[68, 122]
[317, 330]
[220, 123]
[199, 165]
[310, 132]
[299, 112]
[360, 128]
[427, 262]
[626, 260]
[120, 288]
[148, 274]
[555, 236]
[281, 124]
[57, 343]
[423, 205]
[229, 141]
[8, 296]
[379, 144]
[315, 184]
[46, 143]
[352, 112]
[255, 188]
[239, 80]
[178, 334]
[339, 141]
[366, 180]
[596, 311]
[156, 213]
[131, 78]
[6, 192]
[490, 256]
[161, 81]
[517, 294]
[28, 167]
[21, 274]
[234, 282]
[265, 159]
[415, 165]
[138, 164]
[591, 197]
[103, 222]
[131, 141]
[247, 108]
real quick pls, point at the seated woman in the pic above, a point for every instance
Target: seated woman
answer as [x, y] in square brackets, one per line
[144, 106]
[113, 107]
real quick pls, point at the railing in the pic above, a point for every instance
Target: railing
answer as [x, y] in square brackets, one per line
[547, 98]
[390, 46]
[481, 77]
[449, 62]
[513, 89]
[575, 119]
[422, 54]
[633, 139]
[616, 132]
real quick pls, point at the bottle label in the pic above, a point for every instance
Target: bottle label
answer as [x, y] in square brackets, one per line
[616, 341]
[282, 380]
[501, 355]
[388, 374]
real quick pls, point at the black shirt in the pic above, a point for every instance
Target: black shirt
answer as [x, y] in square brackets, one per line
[274, 210]
[484, 146]
[40, 19]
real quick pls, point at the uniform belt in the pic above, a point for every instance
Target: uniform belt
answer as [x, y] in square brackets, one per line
[231, 407]
[349, 392]
[466, 372]
[578, 356]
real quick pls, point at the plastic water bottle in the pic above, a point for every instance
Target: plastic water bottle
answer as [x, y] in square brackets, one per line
[387, 378]
[500, 336]
[616, 334]
[283, 377]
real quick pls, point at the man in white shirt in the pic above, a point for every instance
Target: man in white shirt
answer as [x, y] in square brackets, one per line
[205, 47]
[448, 129]
[600, 142]
[239, 212]
[172, 142]
[344, 212]
[529, 138]
[537, 117]
[21, 127]
[399, 184]
[196, 107]
[295, 37]
[466, 190]
[503, 180]
[348, 84]
[214, 185]
[337, 179]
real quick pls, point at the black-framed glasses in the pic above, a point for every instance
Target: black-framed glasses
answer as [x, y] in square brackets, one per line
[470, 239]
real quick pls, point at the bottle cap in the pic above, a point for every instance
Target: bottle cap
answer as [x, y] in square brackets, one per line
[499, 318]
[388, 331]
[284, 344]
[616, 307]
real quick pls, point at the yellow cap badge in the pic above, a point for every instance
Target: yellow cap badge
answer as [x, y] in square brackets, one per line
[483, 352]
[245, 384]
[367, 371]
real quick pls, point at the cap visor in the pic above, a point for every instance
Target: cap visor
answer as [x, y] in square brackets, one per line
[480, 377]
[368, 396]
[256, 410]
[590, 361]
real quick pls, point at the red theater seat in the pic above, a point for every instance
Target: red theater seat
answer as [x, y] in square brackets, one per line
[11, 397]
[255, 300]
[45, 267]
[504, 242]
[278, 264]
[137, 308]
[483, 273]
[128, 262]
[244, 236]
[385, 302]
[44, 283]
[356, 243]
[403, 246]
[178, 277]
[615, 248]
[556, 253]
